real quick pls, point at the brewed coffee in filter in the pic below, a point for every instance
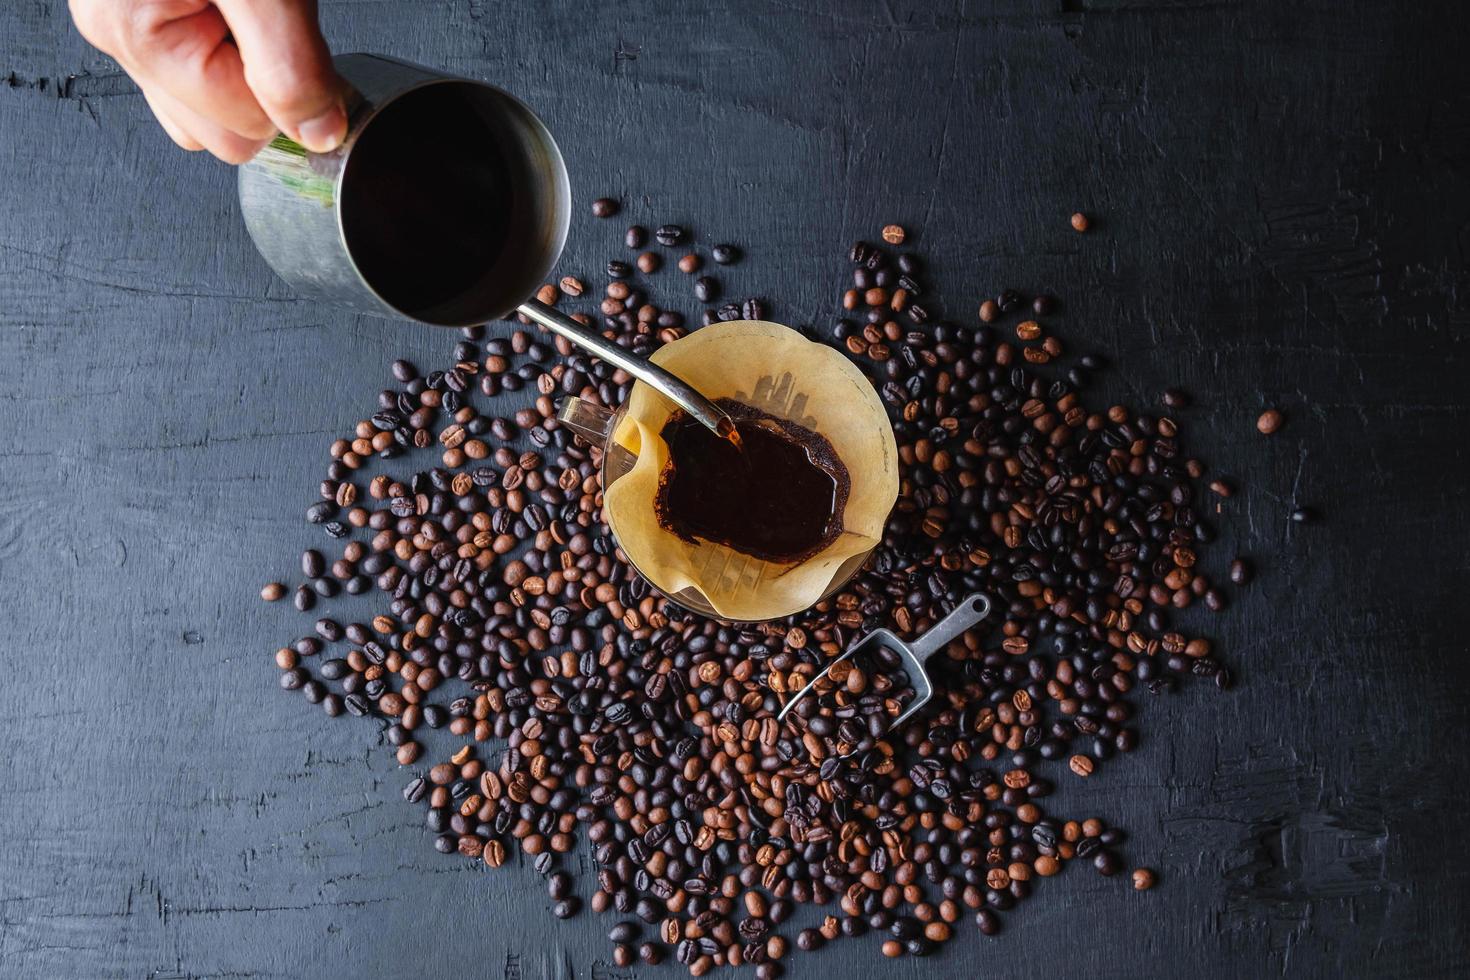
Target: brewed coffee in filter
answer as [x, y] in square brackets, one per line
[770, 375]
[776, 491]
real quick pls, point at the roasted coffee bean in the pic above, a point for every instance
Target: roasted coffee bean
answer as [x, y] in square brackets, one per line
[604, 207]
[321, 511]
[669, 234]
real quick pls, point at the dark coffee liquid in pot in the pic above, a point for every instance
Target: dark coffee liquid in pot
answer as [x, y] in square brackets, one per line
[428, 200]
[778, 496]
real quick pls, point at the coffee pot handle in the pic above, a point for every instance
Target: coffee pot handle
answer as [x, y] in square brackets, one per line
[592, 422]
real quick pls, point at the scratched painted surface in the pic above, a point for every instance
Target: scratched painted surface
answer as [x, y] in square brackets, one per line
[1282, 203]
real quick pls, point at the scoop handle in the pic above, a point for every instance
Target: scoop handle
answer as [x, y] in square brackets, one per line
[669, 385]
[969, 612]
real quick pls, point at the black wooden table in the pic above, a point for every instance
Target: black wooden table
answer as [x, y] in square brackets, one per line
[1281, 193]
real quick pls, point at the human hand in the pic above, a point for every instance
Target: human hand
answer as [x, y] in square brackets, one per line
[225, 76]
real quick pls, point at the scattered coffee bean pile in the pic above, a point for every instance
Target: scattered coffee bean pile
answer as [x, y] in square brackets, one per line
[592, 710]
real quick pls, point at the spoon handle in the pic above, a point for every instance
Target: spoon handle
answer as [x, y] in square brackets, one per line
[969, 612]
[671, 386]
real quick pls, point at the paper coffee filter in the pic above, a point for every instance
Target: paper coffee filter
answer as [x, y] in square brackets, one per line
[775, 369]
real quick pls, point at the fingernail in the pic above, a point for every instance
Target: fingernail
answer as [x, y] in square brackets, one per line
[324, 133]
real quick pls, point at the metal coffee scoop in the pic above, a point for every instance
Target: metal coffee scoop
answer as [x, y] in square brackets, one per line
[292, 202]
[914, 655]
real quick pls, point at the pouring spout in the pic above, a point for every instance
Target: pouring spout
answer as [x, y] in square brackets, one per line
[708, 414]
[726, 430]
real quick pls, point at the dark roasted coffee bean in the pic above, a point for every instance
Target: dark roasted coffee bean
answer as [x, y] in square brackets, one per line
[604, 207]
[669, 234]
[321, 511]
[725, 254]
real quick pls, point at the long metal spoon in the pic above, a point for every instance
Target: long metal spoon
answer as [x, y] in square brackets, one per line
[666, 383]
[914, 655]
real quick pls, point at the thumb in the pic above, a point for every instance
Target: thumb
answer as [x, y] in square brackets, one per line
[289, 69]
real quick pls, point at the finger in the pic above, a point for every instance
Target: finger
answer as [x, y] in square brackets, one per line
[204, 133]
[183, 48]
[171, 126]
[94, 23]
[289, 69]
